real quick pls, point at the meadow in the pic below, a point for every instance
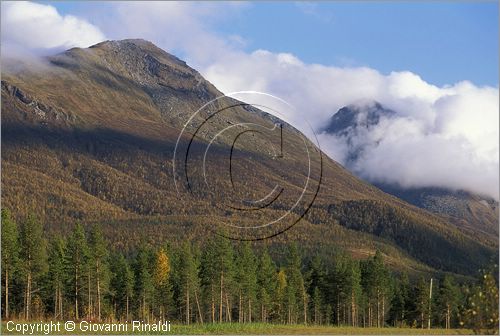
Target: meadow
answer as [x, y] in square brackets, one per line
[270, 329]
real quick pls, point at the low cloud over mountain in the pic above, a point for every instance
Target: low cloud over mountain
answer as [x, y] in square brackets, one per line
[29, 27]
[439, 136]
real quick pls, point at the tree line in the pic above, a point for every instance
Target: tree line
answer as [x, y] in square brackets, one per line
[80, 277]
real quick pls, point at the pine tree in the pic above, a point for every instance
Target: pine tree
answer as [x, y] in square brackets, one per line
[209, 277]
[144, 286]
[448, 299]
[400, 304]
[10, 254]
[297, 299]
[422, 301]
[346, 290]
[57, 274]
[189, 283]
[128, 286]
[217, 276]
[353, 289]
[337, 290]
[78, 257]
[122, 284]
[376, 282]
[225, 284]
[317, 287]
[267, 285]
[100, 267]
[246, 282]
[34, 258]
[317, 304]
[328, 314]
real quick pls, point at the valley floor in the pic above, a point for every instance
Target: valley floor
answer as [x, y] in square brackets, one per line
[279, 329]
[270, 329]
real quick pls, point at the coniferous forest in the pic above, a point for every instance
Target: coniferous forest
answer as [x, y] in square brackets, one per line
[79, 277]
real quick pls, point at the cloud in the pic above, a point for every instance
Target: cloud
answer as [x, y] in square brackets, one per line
[440, 136]
[39, 28]
[184, 28]
[411, 152]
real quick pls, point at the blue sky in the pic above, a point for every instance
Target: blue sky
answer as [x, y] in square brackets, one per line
[443, 42]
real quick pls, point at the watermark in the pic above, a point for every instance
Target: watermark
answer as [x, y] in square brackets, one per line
[251, 175]
[50, 327]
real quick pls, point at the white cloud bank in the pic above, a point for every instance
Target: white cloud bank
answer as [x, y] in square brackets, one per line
[441, 136]
[28, 26]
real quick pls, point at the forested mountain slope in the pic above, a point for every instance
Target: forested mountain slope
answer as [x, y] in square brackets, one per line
[88, 135]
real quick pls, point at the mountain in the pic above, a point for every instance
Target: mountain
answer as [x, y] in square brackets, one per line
[474, 214]
[89, 136]
[354, 119]
[349, 118]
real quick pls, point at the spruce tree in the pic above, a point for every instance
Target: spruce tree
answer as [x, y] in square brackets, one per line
[296, 293]
[377, 284]
[144, 285]
[317, 287]
[10, 254]
[246, 273]
[353, 289]
[100, 265]
[189, 283]
[78, 257]
[346, 290]
[422, 301]
[317, 305]
[57, 274]
[328, 314]
[267, 285]
[316, 275]
[217, 276]
[34, 258]
[449, 295]
[209, 278]
[128, 286]
[337, 291]
[122, 284]
[400, 304]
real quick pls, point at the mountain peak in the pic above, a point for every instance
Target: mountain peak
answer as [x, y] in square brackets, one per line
[136, 45]
[138, 60]
[364, 115]
[124, 42]
[131, 50]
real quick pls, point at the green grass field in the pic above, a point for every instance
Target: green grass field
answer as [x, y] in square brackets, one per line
[262, 328]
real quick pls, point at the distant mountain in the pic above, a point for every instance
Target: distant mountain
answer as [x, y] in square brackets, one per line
[349, 118]
[474, 214]
[88, 135]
